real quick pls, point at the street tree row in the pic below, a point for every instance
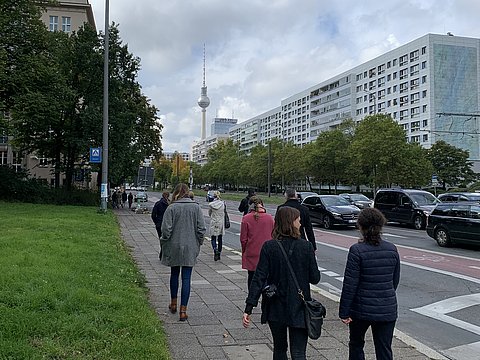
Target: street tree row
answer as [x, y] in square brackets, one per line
[373, 152]
[51, 86]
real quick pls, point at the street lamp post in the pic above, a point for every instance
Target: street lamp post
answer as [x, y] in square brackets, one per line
[104, 185]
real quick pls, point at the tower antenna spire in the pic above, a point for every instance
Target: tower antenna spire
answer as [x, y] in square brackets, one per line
[203, 64]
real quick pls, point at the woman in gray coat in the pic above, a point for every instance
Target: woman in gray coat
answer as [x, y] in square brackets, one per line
[183, 228]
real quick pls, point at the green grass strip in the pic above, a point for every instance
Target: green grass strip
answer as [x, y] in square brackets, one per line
[69, 288]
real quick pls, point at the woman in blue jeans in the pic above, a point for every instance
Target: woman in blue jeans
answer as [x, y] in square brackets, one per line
[183, 229]
[284, 311]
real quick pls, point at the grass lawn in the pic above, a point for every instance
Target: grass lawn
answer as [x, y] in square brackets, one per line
[69, 288]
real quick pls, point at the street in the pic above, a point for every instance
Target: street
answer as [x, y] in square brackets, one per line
[439, 291]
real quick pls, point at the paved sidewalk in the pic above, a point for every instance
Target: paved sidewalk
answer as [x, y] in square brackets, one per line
[214, 328]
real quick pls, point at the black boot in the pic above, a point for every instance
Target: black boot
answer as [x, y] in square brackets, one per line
[216, 255]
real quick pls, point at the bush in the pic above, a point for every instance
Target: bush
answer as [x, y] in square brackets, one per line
[18, 187]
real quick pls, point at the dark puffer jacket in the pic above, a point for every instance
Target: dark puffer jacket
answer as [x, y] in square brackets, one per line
[371, 278]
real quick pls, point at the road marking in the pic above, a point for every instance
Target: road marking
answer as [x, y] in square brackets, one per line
[393, 235]
[467, 351]
[439, 309]
[474, 267]
[330, 273]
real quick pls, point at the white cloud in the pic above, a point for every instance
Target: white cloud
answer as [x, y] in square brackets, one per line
[259, 52]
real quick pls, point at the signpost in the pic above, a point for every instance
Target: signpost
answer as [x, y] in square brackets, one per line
[96, 155]
[435, 183]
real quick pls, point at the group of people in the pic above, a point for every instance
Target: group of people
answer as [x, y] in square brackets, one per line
[120, 198]
[371, 276]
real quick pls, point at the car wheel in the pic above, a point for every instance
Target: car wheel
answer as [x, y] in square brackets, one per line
[442, 237]
[327, 222]
[418, 222]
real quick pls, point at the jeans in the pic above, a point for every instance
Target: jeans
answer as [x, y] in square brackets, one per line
[382, 332]
[216, 239]
[298, 341]
[186, 278]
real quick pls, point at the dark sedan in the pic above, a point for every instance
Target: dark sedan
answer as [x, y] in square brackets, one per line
[455, 223]
[359, 200]
[329, 210]
[459, 197]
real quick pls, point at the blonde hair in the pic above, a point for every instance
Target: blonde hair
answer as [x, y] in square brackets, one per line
[216, 194]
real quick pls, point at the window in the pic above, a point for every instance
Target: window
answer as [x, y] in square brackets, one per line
[403, 73]
[404, 100]
[403, 87]
[389, 90]
[424, 94]
[405, 126]
[413, 70]
[403, 114]
[381, 69]
[414, 55]
[3, 158]
[415, 98]
[359, 88]
[415, 112]
[359, 112]
[381, 94]
[403, 60]
[425, 138]
[394, 62]
[414, 125]
[371, 72]
[42, 161]
[424, 110]
[394, 75]
[389, 77]
[424, 65]
[381, 82]
[359, 100]
[394, 114]
[415, 139]
[394, 88]
[66, 24]
[359, 77]
[389, 64]
[17, 160]
[424, 50]
[53, 26]
[414, 83]
[425, 123]
[424, 79]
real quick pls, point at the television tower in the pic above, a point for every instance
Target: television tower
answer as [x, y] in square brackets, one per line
[203, 100]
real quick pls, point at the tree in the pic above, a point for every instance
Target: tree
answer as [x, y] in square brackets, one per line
[163, 171]
[415, 168]
[378, 147]
[450, 164]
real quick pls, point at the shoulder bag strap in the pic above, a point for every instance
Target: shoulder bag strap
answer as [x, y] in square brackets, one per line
[300, 292]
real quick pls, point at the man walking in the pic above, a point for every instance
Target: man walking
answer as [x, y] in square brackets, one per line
[306, 229]
[245, 203]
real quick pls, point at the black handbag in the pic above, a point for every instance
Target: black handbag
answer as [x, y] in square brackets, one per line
[314, 310]
[226, 219]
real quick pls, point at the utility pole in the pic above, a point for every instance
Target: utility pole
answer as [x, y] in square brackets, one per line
[269, 165]
[104, 185]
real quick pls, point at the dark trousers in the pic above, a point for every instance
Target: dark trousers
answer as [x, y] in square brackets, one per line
[382, 332]
[217, 243]
[298, 341]
[186, 278]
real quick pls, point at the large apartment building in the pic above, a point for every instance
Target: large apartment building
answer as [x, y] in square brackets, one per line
[430, 86]
[66, 16]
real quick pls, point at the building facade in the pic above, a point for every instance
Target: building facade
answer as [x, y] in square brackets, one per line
[430, 86]
[200, 148]
[171, 155]
[222, 125]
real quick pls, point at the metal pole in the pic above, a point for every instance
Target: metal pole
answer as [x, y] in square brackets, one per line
[269, 170]
[104, 188]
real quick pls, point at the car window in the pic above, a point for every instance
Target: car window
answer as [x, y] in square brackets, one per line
[386, 197]
[442, 210]
[359, 197]
[475, 212]
[474, 197]
[459, 211]
[404, 199]
[310, 200]
[334, 201]
[423, 198]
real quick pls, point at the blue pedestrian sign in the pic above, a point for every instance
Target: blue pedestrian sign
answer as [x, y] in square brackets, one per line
[96, 155]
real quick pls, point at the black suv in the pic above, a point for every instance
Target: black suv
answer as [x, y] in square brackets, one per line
[406, 206]
[451, 223]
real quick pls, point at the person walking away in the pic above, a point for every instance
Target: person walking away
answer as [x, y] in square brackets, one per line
[158, 211]
[216, 211]
[306, 228]
[255, 229]
[124, 198]
[284, 312]
[245, 203]
[130, 200]
[114, 200]
[368, 299]
[183, 229]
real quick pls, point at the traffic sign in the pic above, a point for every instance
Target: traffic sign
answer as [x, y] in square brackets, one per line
[435, 180]
[96, 155]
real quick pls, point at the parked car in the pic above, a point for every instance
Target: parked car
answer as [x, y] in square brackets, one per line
[222, 190]
[406, 206]
[459, 196]
[141, 196]
[359, 200]
[455, 223]
[301, 195]
[209, 196]
[329, 210]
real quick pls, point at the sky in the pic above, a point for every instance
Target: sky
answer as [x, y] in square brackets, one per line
[259, 52]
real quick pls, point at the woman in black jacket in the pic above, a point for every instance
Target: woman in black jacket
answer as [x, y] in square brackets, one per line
[369, 296]
[285, 309]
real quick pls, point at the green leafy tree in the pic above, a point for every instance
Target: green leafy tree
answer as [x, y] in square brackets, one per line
[450, 164]
[163, 171]
[415, 168]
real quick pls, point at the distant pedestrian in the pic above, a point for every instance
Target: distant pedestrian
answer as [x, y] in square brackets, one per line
[114, 200]
[256, 228]
[284, 312]
[216, 211]
[124, 198]
[158, 211]
[306, 230]
[130, 200]
[183, 229]
[245, 203]
[372, 274]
